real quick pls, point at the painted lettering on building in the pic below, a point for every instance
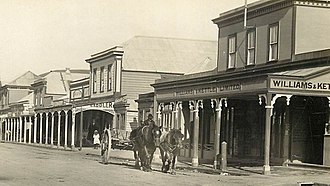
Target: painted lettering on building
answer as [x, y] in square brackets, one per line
[103, 105]
[210, 90]
[302, 85]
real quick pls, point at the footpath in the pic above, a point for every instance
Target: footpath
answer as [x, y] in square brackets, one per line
[299, 171]
[127, 157]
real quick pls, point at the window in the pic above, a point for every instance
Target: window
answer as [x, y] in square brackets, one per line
[102, 79]
[251, 43]
[109, 78]
[231, 52]
[36, 98]
[273, 42]
[94, 80]
[40, 93]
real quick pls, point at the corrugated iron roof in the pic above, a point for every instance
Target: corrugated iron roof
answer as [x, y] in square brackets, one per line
[25, 80]
[173, 55]
[57, 80]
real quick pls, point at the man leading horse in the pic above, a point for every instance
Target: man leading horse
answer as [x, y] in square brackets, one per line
[145, 139]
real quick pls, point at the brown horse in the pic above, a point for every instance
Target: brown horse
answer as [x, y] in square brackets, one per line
[170, 145]
[145, 140]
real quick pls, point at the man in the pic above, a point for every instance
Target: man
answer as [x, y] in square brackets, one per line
[149, 121]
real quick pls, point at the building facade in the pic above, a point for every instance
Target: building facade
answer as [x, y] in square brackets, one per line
[268, 99]
[67, 106]
[118, 75]
[16, 108]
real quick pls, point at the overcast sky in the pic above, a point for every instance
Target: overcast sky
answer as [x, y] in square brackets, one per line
[40, 35]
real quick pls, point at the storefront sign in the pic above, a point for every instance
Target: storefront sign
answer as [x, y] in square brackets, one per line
[299, 85]
[103, 105]
[210, 90]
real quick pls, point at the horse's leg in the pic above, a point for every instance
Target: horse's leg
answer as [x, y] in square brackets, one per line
[151, 157]
[174, 164]
[146, 158]
[162, 153]
[170, 162]
[136, 157]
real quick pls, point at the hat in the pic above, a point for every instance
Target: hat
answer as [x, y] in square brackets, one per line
[150, 116]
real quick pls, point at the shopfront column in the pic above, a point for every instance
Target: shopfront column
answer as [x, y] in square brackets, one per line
[195, 106]
[46, 128]
[217, 103]
[24, 131]
[143, 115]
[66, 130]
[11, 129]
[178, 115]
[52, 130]
[35, 128]
[30, 129]
[269, 109]
[58, 129]
[5, 128]
[14, 129]
[82, 124]
[73, 127]
[40, 136]
[159, 114]
[20, 129]
[17, 129]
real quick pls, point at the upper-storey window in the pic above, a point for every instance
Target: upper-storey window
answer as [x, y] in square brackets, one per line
[109, 78]
[94, 80]
[102, 79]
[273, 42]
[251, 47]
[232, 51]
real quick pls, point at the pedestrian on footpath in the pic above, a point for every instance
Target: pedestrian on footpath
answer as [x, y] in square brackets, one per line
[96, 139]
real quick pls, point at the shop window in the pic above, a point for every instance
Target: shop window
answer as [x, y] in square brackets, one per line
[102, 79]
[231, 51]
[273, 42]
[94, 80]
[109, 78]
[251, 44]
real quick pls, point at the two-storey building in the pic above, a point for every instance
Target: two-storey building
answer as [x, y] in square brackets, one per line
[15, 108]
[268, 99]
[119, 74]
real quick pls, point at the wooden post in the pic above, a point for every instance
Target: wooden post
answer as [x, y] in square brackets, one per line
[223, 156]
[81, 128]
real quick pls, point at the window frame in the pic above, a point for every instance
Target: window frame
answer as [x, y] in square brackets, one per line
[251, 48]
[230, 53]
[102, 79]
[271, 56]
[94, 80]
[109, 78]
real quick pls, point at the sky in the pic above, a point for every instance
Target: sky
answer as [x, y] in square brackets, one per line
[44, 35]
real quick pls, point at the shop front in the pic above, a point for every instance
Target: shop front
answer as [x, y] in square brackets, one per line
[264, 116]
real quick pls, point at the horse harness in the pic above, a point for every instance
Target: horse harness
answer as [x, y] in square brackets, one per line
[166, 144]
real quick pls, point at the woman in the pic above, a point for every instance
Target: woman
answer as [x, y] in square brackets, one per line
[96, 139]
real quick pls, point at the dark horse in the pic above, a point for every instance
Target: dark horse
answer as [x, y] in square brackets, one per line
[145, 140]
[170, 145]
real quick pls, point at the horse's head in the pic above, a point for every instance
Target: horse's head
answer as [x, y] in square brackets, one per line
[156, 133]
[176, 138]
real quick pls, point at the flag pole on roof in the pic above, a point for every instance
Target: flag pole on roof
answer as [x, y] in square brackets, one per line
[245, 14]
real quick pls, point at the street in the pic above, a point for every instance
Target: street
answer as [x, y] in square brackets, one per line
[30, 165]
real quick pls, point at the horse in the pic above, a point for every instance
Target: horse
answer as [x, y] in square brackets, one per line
[170, 145]
[145, 140]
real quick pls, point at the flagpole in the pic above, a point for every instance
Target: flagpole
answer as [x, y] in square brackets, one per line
[245, 14]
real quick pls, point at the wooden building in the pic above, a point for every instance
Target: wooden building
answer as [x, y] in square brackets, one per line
[16, 108]
[268, 98]
[119, 74]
